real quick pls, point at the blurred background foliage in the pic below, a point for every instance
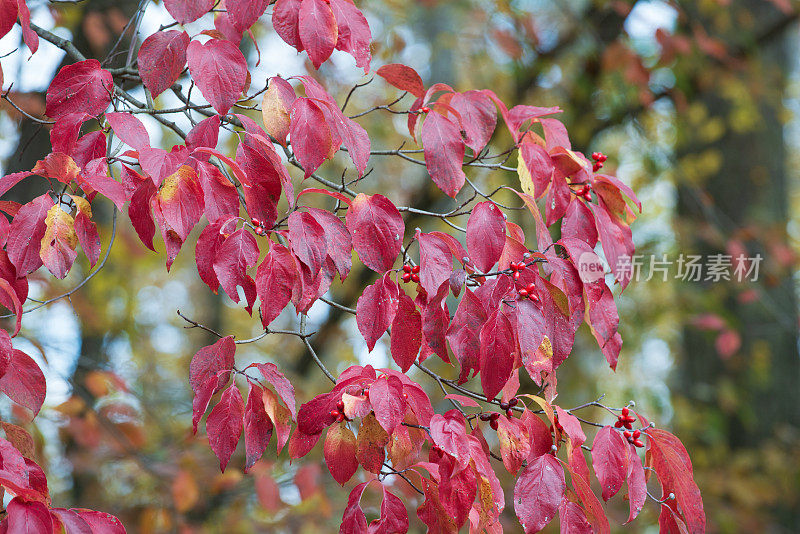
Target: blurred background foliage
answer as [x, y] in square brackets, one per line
[696, 103]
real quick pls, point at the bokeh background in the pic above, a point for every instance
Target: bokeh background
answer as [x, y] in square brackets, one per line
[695, 102]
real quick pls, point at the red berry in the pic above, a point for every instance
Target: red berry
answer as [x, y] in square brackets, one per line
[523, 292]
[366, 390]
[425, 109]
[516, 275]
[619, 423]
[407, 268]
[628, 425]
[255, 222]
[341, 418]
[405, 395]
[415, 269]
[627, 434]
[509, 413]
[629, 418]
[503, 405]
[597, 166]
[636, 434]
[335, 413]
[340, 405]
[595, 156]
[534, 297]
[513, 402]
[531, 288]
[625, 411]
[638, 443]
[495, 416]
[259, 230]
[406, 277]
[485, 416]
[415, 277]
[493, 424]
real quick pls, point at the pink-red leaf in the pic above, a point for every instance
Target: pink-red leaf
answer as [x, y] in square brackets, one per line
[610, 460]
[238, 253]
[486, 235]
[219, 70]
[403, 77]
[210, 360]
[275, 280]
[497, 353]
[340, 453]
[354, 34]
[25, 235]
[406, 337]
[377, 229]
[81, 86]
[538, 492]
[444, 150]
[317, 30]
[161, 59]
[185, 11]
[311, 135]
[224, 425]
[281, 384]
[24, 382]
[257, 426]
[376, 309]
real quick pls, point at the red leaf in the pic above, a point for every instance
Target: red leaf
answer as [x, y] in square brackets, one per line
[317, 30]
[406, 337]
[669, 459]
[637, 485]
[479, 117]
[219, 70]
[353, 520]
[8, 16]
[210, 360]
[245, 13]
[9, 299]
[238, 253]
[444, 150]
[538, 492]
[610, 460]
[185, 11]
[219, 195]
[285, 17]
[95, 178]
[25, 235]
[338, 239]
[340, 453]
[100, 522]
[403, 77]
[86, 230]
[449, 433]
[224, 425]
[140, 214]
[497, 353]
[81, 86]
[28, 517]
[463, 334]
[486, 235]
[311, 136]
[515, 443]
[354, 33]
[377, 229]
[262, 189]
[301, 444]
[393, 518]
[539, 165]
[307, 239]
[617, 240]
[579, 223]
[275, 280]
[161, 59]
[386, 398]
[281, 384]
[24, 382]
[73, 523]
[178, 206]
[202, 397]
[257, 426]
[376, 309]
[436, 262]
[573, 520]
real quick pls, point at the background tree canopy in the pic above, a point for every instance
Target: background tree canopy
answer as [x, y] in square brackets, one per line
[695, 104]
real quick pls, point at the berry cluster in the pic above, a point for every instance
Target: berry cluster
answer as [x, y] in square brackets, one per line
[626, 420]
[494, 416]
[598, 158]
[338, 413]
[529, 292]
[410, 274]
[585, 192]
[517, 267]
[259, 226]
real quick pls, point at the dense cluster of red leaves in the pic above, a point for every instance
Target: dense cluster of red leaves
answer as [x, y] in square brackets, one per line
[519, 306]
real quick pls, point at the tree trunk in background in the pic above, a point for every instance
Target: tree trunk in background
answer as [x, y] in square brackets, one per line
[745, 401]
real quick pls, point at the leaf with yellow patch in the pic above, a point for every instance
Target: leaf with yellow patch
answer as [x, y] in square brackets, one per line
[59, 242]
